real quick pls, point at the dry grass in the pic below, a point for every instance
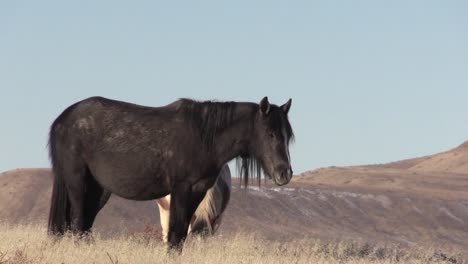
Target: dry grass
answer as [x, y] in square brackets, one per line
[30, 244]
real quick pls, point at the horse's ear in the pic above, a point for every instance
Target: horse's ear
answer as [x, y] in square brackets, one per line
[265, 106]
[286, 106]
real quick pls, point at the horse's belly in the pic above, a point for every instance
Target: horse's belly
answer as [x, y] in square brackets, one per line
[134, 186]
[141, 193]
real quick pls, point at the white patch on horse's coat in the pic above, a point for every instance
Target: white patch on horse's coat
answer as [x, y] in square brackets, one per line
[164, 205]
[169, 154]
[115, 135]
[208, 211]
[165, 202]
[84, 123]
[119, 133]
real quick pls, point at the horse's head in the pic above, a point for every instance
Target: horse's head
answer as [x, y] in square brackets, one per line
[272, 134]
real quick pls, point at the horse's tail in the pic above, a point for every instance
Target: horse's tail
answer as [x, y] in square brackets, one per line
[59, 219]
[59, 214]
[209, 213]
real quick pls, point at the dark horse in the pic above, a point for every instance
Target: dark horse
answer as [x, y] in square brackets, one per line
[100, 146]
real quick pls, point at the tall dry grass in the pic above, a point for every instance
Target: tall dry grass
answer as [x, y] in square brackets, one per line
[24, 244]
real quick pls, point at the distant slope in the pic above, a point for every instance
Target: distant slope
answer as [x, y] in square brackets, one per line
[25, 197]
[440, 185]
[24, 194]
[455, 160]
[442, 175]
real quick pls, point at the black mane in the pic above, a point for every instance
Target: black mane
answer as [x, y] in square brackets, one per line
[208, 117]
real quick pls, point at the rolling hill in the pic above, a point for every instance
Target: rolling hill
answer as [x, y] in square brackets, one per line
[421, 201]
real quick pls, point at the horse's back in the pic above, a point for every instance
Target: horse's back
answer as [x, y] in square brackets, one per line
[109, 110]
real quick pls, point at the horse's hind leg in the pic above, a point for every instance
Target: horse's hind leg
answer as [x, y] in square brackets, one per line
[86, 197]
[95, 199]
[76, 187]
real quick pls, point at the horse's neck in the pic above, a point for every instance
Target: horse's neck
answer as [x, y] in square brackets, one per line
[235, 139]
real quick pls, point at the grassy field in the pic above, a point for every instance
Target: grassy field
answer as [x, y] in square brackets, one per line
[30, 244]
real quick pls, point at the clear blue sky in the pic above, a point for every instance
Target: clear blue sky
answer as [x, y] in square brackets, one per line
[371, 81]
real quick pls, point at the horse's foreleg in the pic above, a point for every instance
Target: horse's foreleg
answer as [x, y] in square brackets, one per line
[178, 217]
[184, 203]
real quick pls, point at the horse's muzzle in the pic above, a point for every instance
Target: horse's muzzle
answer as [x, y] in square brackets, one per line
[283, 176]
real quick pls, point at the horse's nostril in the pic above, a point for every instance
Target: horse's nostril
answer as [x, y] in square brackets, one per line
[286, 173]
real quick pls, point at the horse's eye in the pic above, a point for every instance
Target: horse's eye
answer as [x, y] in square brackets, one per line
[272, 135]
